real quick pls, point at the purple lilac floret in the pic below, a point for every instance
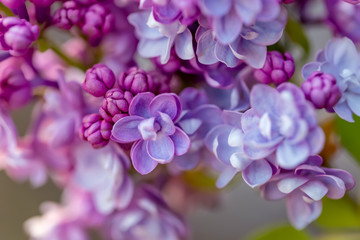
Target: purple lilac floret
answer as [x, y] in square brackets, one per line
[136, 80]
[157, 40]
[96, 130]
[70, 14]
[278, 68]
[321, 90]
[245, 42]
[115, 104]
[304, 187]
[151, 125]
[147, 217]
[344, 18]
[341, 59]
[17, 35]
[282, 121]
[98, 80]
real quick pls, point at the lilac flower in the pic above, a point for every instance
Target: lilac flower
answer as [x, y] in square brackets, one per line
[353, 1]
[344, 18]
[147, 217]
[70, 14]
[103, 173]
[157, 39]
[321, 90]
[16, 35]
[340, 59]
[96, 130]
[115, 104]
[248, 45]
[304, 187]
[136, 80]
[226, 142]
[15, 89]
[43, 3]
[277, 69]
[13, 4]
[151, 126]
[98, 80]
[98, 20]
[228, 17]
[282, 121]
[197, 119]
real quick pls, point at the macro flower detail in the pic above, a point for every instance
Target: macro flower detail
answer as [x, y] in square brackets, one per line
[96, 130]
[341, 59]
[150, 125]
[304, 187]
[98, 80]
[136, 80]
[17, 35]
[282, 121]
[278, 68]
[115, 104]
[321, 90]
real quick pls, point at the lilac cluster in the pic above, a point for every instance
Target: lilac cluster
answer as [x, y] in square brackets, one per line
[179, 91]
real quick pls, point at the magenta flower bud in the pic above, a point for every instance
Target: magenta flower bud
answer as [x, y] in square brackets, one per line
[96, 130]
[13, 4]
[277, 69]
[43, 3]
[98, 20]
[136, 81]
[15, 90]
[69, 15]
[16, 35]
[321, 89]
[115, 104]
[98, 80]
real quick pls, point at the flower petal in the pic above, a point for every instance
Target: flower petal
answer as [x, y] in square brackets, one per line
[289, 184]
[205, 49]
[140, 158]
[184, 46]
[162, 149]
[315, 190]
[168, 103]
[140, 104]
[126, 129]
[181, 142]
[290, 156]
[225, 177]
[257, 173]
[227, 27]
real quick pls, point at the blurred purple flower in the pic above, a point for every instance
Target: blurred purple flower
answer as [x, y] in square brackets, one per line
[151, 126]
[353, 1]
[304, 187]
[341, 59]
[70, 14]
[147, 217]
[278, 68]
[321, 90]
[17, 35]
[344, 18]
[157, 39]
[282, 121]
[43, 3]
[103, 173]
[13, 4]
[248, 45]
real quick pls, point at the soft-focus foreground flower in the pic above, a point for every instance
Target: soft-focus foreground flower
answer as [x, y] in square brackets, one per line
[70, 14]
[341, 59]
[12, 3]
[147, 217]
[304, 187]
[282, 121]
[151, 126]
[352, 1]
[16, 35]
[277, 69]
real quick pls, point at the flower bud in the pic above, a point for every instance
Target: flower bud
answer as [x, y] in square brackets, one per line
[321, 89]
[115, 104]
[96, 130]
[16, 35]
[15, 90]
[69, 15]
[98, 20]
[277, 69]
[136, 81]
[98, 80]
